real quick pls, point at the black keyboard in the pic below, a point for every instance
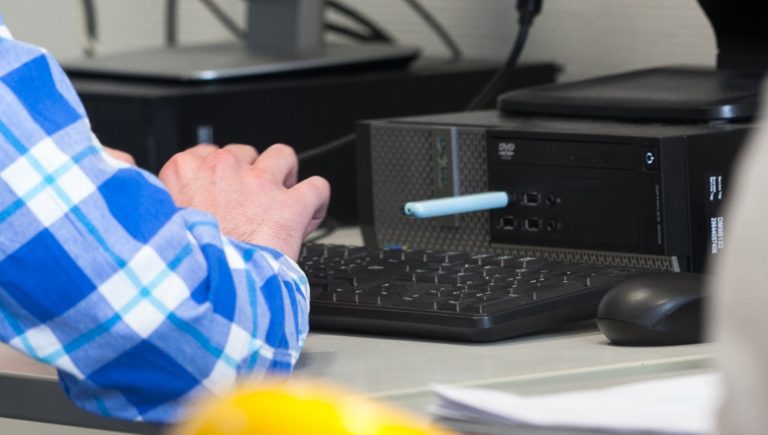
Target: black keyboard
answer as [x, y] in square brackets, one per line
[450, 295]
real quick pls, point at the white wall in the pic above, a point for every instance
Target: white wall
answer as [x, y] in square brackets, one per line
[588, 37]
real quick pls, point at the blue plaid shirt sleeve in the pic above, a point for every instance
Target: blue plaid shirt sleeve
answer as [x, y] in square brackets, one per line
[137, 303]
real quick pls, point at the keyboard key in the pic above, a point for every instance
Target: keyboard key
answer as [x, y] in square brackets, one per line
[484, 259]
[446, 257]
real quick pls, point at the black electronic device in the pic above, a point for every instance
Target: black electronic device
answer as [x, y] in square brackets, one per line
[654, 310]
[281, 37]
[588, 190]
[693, 94]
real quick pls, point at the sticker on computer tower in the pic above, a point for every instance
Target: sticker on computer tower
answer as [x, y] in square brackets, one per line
[717, 234]
[715, 196]
[715, 188]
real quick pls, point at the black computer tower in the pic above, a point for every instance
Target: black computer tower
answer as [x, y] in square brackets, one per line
[644, 194]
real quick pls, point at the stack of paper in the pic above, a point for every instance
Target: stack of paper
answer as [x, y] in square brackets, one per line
[681, 405]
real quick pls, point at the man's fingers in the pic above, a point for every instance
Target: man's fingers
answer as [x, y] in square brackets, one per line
[245, 154]
[185, 164]
[280, 164]
[314, 193]
[201, 150]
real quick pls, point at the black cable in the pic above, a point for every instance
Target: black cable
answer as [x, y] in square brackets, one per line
[493, 87]
[224, 19]
[438, 28]
[171, 15]
[527, 9]
[89, 8]
[91, 28]
[327, 147]
[376, 32]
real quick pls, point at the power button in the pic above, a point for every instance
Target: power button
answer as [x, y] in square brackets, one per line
[651, 158]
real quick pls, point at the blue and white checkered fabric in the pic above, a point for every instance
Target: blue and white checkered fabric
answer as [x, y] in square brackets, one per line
[137, 303]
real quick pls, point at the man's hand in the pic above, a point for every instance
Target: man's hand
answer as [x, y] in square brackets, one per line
[256, 198]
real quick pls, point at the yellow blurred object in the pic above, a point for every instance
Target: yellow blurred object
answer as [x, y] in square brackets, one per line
[299, 407]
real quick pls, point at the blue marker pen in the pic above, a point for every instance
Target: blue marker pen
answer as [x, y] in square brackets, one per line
[455, 204]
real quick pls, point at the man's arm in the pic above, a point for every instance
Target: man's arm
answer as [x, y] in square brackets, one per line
[137, 302]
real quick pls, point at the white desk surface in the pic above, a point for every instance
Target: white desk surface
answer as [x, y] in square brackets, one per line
[401, 371]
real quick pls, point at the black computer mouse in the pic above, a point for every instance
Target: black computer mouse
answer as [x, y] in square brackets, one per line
[656, 309]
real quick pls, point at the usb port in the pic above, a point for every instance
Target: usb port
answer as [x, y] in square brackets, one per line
[507, 223]
[532, 224]
[531, 198]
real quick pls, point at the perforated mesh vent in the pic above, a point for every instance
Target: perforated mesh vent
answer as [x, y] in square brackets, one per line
[404, 170]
